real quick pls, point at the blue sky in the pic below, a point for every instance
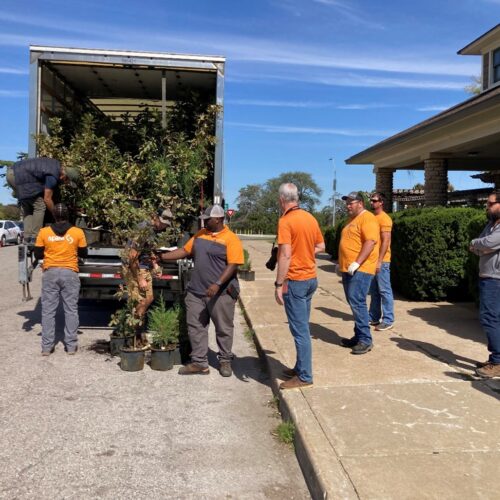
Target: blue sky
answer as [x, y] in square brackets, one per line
[306, 80]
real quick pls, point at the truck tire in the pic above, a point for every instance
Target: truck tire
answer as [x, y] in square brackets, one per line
[18, 239]
[3, 242]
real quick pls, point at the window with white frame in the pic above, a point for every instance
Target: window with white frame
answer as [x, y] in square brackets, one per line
[496, 66]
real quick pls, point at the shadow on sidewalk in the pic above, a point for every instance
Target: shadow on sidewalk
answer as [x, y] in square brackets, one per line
[458, 320]
[435, 352]
[481, 385]
[336, 314]
[244, 368]
[324, 334]
[33, 316]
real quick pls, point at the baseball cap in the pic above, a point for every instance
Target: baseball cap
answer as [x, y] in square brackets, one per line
[213, 211]
[165, 215]
[353, 195]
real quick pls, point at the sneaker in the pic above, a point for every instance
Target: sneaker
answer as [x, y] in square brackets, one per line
[72, 353]
[382, 327]
[225, 368]
[350, 343]
[362, 348]
[295, 383]
[48, 353]
[489, 371]
[288, 373]
[374, 323]
[192, 369]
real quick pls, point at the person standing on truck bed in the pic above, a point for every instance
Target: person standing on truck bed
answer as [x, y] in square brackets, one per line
[140, 264]
[35, 182]
[212, 290]
[60, 245]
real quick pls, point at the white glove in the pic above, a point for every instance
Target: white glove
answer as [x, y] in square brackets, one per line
[353, 268]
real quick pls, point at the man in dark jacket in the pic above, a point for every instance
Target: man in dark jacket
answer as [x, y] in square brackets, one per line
[487, 246]
[60, 245]
[36, 179]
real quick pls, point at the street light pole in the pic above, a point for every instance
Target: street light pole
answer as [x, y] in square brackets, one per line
[334, 191]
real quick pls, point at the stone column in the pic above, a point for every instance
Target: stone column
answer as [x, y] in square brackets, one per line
[384, 184]
[436, 182]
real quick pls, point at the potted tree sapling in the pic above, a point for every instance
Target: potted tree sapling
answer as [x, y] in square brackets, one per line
[123, 330]
[163, 324]
[245, 271]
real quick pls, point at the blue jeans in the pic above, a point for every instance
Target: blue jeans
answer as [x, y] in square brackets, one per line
[382, 302]
[489, 315]
[356, 289]
[297, 301]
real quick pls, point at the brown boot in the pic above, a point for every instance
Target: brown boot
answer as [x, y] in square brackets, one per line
[288, 373]
[192, 369]
[295, 383]
[489, 371]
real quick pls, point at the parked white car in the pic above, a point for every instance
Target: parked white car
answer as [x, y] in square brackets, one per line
[10, 233]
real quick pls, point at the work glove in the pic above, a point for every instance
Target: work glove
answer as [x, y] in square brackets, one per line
[353, 268]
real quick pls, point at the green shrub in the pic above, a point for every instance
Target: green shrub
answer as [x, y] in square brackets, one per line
[164, 324]
[247, 263]
[430, 253]
[332, 238]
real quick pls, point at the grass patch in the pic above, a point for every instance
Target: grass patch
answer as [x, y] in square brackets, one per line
[249, 334]
[285, 432]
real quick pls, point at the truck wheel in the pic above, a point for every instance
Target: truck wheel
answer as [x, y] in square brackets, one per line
[3, 241]
[18, 239]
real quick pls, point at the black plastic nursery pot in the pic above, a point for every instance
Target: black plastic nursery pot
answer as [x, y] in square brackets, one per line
[131, 360]
[116, 343]
[163, 359]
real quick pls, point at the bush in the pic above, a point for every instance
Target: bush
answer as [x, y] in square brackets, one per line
[332, 238]
[430, 253]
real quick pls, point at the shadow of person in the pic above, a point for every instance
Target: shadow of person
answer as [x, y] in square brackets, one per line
[460, 320]
[435, 352]
[33, 317]
[324, 334]
[482, 385]
[336, 314]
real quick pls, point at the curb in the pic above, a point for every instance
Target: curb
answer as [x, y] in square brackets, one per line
[321, 466]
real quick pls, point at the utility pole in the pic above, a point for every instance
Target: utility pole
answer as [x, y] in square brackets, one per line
[334, 191]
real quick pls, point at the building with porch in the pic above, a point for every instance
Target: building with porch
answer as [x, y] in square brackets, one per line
[465, 137]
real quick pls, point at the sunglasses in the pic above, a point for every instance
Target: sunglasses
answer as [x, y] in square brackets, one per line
[373, 200]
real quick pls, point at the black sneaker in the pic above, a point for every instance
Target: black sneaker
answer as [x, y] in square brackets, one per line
[225, 368]
[350, 343]
[361, 348]
[374, 323]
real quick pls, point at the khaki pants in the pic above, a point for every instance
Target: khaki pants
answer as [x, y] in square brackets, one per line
[33, 215]
[199, 311]
[133, 290]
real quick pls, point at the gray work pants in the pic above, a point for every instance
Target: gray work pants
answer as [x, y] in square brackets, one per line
[199, 311]
[60, 283]
[33, 215]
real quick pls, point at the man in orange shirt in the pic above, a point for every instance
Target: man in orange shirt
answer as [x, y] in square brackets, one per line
[299, 240]
[60, 245]
[382, 302]
[358, 254]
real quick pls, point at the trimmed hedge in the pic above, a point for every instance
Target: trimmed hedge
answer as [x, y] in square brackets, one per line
[430, 252]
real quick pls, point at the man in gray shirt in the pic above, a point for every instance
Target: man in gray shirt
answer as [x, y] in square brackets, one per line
[487, 246]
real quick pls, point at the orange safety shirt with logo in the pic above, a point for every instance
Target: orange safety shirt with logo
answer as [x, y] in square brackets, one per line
[385, 223]
[299, 229]
[212, 252]
[362, 228]
[61, 251]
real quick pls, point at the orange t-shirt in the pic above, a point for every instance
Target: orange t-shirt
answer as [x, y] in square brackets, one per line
[300, 229]
[385, 223]
[61, 251]
[362, 228]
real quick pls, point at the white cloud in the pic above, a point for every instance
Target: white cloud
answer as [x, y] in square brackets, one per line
[281, 129]
[13, 71]
[433, 108]
[307, 104]
[13, 93]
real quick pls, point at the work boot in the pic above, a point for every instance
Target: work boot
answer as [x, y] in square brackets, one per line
[489, 371]
[192, 369]
[288, 373]
[374, 323]
[361, 348]
[295, 383]
[225, 368]
[481, 364]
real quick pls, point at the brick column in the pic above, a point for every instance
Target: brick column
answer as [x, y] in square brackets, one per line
[436, 182]
[384, 184]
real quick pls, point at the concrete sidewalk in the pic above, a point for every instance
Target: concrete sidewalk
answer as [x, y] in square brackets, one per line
[407, 420]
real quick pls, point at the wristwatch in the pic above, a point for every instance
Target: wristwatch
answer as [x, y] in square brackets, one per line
[218, 283]
[277, 285]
